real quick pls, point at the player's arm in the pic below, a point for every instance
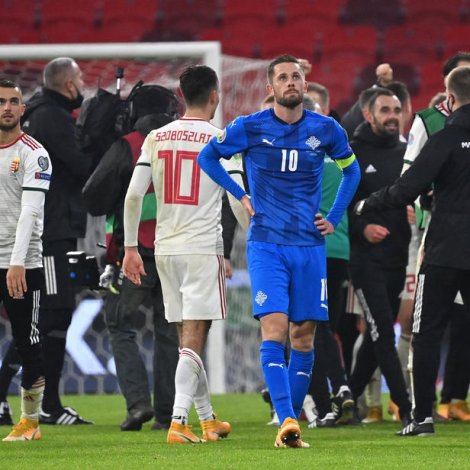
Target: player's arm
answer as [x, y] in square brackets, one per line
[36, 181]
[132, 265]
[230, 142]
[347, 188]
[32, 203]
[416, 180]
[342, 154]
[417, 138]
[234, 168]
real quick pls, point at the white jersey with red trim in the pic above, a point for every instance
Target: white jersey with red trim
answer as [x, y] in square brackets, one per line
[24, 166]
[189, 203]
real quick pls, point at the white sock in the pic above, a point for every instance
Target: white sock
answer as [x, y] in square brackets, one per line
[202, 400]
[187, 376]
[31, 401]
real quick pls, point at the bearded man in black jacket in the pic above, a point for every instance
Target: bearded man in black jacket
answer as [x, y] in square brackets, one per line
[379, 248]
[444, 164]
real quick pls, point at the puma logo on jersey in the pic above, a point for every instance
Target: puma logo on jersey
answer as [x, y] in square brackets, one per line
[260, 298]
[371, 169]
[466, 145]
[273, 364]
[313, 142]
[266, 141]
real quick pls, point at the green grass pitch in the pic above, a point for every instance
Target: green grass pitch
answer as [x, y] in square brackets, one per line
[249, 446]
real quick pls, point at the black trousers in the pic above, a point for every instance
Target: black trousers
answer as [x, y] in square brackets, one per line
[23, 314]
[457, 370]
[378, 291]
[435, 294]
[328, 360]
[122, 317]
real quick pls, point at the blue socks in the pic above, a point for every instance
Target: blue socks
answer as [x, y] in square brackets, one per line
[274, 367]
[300, 373]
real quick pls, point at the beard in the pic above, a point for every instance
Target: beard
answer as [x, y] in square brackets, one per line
[382, 129]
[8, 127]
[290, 101]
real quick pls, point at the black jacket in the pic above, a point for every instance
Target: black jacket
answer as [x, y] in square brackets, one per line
[48, 119]
[381, 161]
[444, 162]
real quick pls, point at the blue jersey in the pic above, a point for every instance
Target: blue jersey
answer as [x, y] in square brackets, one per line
[284, 164]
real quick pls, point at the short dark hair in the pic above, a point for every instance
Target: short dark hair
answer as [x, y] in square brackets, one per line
[453, 62]
[400, 90]
[366, 95]
[379, 92]
[322, 92]
[309, 103]
[196, 83]
[458, 83]
[5, 83]
[282, 59]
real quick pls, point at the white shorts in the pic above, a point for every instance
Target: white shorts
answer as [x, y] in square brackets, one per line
[193, 287]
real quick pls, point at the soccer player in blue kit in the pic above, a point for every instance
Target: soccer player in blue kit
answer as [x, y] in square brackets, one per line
[284, 150]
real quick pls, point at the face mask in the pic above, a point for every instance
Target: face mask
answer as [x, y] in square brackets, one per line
[78, 100]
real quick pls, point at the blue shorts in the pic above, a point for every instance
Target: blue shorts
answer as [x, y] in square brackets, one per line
[288, 279]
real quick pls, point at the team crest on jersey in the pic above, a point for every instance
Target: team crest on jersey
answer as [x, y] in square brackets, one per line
[260, 298]
[15, 165]
[411, 139]
[221, 137]
[43, 163]
[313, 142]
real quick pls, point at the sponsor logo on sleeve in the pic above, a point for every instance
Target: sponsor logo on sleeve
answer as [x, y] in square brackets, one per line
[221, 137]
[43, 163]
[42, 176]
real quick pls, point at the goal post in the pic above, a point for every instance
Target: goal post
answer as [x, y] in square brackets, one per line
[209, 53]
[232, 356]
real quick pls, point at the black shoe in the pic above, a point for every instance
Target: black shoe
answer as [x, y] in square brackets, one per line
[329, 421]
[425, 428]
[158, 426]
[343, 407]
[135, 418]
[5, 414]
[65, 416]
[405, 419]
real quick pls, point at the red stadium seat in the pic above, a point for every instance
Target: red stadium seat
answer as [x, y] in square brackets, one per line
[457, 38]
[351, 43]
[241, 9]
[404, 43]
[324, 10]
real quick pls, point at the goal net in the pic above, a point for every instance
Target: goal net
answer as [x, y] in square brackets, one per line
[232, 356]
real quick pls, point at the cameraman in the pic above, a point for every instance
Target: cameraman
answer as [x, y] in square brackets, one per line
[151, 108]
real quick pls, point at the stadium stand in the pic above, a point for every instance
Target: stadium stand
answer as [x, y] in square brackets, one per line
[406, 33]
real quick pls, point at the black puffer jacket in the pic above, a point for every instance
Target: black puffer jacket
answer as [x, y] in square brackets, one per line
[381, 161]
[444, 162]
[48, 119]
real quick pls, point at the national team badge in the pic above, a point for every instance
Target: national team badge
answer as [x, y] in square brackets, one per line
[15, 165]
[313, 142]
[43, 163]
[260, 298]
